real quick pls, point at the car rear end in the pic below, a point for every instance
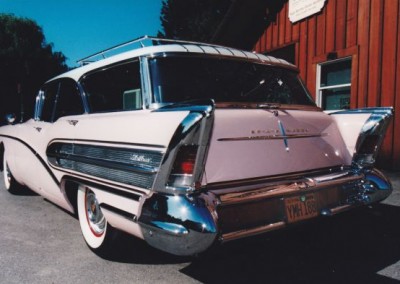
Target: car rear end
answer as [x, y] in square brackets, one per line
[253, 154]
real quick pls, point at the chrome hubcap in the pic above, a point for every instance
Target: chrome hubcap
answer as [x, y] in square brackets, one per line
[94, 215]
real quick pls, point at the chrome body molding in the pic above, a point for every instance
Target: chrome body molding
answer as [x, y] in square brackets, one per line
[128, 166]
[272, 137]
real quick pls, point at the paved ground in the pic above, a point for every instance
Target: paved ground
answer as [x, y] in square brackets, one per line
[40, 243]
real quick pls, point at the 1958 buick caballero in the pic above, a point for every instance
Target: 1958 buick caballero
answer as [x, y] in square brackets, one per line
[185, 144]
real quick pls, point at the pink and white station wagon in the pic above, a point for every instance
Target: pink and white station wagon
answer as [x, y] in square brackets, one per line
[185, 144]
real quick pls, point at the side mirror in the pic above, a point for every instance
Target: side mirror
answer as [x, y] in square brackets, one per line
[10, 118]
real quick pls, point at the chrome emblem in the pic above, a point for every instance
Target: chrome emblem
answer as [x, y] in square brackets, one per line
[73, 122]
[140, 158]
[285, 141]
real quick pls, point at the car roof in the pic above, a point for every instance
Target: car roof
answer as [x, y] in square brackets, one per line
[189, 48]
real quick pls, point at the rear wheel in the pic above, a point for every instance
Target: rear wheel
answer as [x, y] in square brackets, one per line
[10, 184]
[97, 233]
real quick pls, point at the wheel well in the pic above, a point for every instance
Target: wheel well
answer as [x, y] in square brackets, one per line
[71, 191]
[1, 156]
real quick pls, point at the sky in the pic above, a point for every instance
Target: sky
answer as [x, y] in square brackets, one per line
[79, 28]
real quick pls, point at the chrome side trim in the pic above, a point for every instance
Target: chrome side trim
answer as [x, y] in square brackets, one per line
[38, 105]
[119, 190]
[273, 137]
[129, 216]
[282, 107]
[145, 81]
[55, 158]
[135, 167]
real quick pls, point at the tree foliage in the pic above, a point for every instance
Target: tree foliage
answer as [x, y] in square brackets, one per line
[26, 61]
[195, 20]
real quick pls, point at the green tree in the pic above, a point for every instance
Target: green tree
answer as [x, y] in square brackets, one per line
[194, 20]
[26, 61]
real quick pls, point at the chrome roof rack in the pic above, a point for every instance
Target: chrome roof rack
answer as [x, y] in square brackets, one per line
[138, 42]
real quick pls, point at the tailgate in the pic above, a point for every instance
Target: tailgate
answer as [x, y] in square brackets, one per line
[256, 143]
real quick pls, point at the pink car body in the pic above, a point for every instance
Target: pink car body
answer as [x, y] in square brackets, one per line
[184, 160]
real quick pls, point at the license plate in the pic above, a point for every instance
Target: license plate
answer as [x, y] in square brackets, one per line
[300, 208]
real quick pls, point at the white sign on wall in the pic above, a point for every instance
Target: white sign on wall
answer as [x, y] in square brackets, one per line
[300, 9]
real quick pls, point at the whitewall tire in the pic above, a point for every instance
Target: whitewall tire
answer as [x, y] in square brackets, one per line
[95, 229]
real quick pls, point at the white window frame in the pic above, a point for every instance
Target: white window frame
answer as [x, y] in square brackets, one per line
[319, 71]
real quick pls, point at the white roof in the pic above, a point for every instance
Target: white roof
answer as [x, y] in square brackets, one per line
[77, 73]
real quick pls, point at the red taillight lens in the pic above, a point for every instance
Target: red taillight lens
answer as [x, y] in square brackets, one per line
[183, 167]
[185, 160]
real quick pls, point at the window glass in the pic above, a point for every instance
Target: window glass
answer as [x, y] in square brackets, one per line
[336, 73]
[50, 92]
[116, 88]
[61, 98]
[69, 101]
[336, 98]
[177, 79]
[334, 87]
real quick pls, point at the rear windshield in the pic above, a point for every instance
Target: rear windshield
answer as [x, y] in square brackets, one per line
[178, 79]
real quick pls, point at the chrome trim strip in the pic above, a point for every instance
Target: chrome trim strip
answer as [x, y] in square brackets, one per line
[136, 167]
[245, 57]
[145, 82]
[106, 188]
[101, 163]
[282, 107]
[336, 210]
[251, 232]
[113, 143]
[273, 137]
[274, 179]
[129, 216]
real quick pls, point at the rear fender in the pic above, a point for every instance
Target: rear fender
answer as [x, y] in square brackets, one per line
[363, 131]
[194, 130]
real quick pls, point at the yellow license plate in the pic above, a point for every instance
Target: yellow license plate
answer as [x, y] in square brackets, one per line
[300, 208]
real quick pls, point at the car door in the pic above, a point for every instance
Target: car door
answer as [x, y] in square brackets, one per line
[59, 107]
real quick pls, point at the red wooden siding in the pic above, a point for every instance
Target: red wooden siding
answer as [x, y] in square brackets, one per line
[366, 30]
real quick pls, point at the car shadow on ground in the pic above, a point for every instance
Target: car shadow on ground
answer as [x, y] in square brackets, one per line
[349, 248]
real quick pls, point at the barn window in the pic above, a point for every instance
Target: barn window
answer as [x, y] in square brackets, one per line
[334, 84]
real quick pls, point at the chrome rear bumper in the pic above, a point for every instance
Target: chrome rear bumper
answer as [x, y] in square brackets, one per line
[186, 225]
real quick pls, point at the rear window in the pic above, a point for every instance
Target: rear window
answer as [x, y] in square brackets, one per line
[178, 79]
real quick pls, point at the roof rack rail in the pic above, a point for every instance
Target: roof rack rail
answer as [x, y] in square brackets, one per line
[141, 41]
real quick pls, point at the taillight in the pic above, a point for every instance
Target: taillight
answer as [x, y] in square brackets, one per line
[183, 167]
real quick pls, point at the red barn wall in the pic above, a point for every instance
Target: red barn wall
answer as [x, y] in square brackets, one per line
[366, 30]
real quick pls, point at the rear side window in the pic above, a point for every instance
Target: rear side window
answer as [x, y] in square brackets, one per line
[116, 88]
[180, 78]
